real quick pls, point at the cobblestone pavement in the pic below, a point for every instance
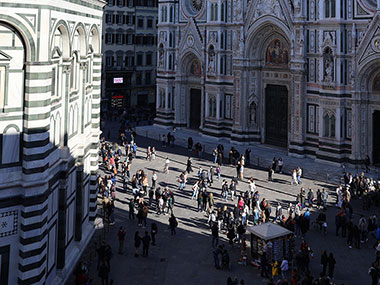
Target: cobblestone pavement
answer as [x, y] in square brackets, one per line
[187, 257]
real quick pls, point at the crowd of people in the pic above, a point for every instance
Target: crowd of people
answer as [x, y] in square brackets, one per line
[228, 222]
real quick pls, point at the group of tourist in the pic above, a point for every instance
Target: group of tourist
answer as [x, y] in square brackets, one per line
[249, 208]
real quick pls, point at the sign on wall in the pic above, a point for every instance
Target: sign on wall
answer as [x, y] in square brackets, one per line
[118, 80]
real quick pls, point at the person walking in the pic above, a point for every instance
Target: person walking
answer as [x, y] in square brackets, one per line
[331, 264]
[121, 237]
[294, 178]
[324, 261]
[299, 175]
[173, 224]
[137, 243]
[153, 232]
[166, 167]
[146, 241]
[189, 168]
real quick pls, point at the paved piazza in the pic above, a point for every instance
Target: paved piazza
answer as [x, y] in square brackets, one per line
[187, 257]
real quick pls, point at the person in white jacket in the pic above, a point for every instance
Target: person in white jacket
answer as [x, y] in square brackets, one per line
[284, 269]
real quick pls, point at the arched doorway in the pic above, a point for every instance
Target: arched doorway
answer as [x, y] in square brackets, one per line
[275, 94]
[189, 90]
[376, 123]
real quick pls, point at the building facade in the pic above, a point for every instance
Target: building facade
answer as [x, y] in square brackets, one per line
[50, 65]
[301, 74]
[129, 53]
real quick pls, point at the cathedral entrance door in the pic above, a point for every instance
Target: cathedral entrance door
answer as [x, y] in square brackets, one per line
[376, 138]
[195, 108]
[276, 115]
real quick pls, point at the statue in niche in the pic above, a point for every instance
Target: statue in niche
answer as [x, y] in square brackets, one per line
[161, 57]
[211, 60]
[252, 113]
[328, 65]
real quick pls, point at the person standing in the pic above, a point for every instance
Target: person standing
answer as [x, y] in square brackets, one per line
[173, 224]
[137, 243]
[190, 144]
[274, 164]
[132, 209]
[146, 242]
[215, 235]
[374, 272]
[331, 264]
[103, 273]
[121, 237]
[233, 189]
[284, 268]
[247, 156]
[270, 174]
[324, 196]
[280, 164]
[154, 179]
[367, 163]
[153, 233]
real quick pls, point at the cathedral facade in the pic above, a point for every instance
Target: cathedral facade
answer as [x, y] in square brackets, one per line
[300, 74]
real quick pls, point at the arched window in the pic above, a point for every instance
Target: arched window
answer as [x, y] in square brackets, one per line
[94, 40]
[71, 121]
[171, 16]
[57, 130]
[11, 145]
[329, 125]
[170, 62]
[162, 98]
[52, 130]
[212, 107]
[76, 119]
[330, 8]
[170, 39]
[222, 12]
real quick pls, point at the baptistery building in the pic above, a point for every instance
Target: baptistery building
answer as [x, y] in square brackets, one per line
[299, 74]
[50, 63]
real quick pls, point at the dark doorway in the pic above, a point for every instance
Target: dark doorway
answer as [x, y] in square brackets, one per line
[376, 138]
[276, 115]
[195, 108]
[4, 264]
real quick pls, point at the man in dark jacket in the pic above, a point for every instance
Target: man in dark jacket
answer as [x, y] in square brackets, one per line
[146, 242]
[215, 235]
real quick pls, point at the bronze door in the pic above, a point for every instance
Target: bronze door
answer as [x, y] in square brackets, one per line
[276, 115]
[195, 108]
